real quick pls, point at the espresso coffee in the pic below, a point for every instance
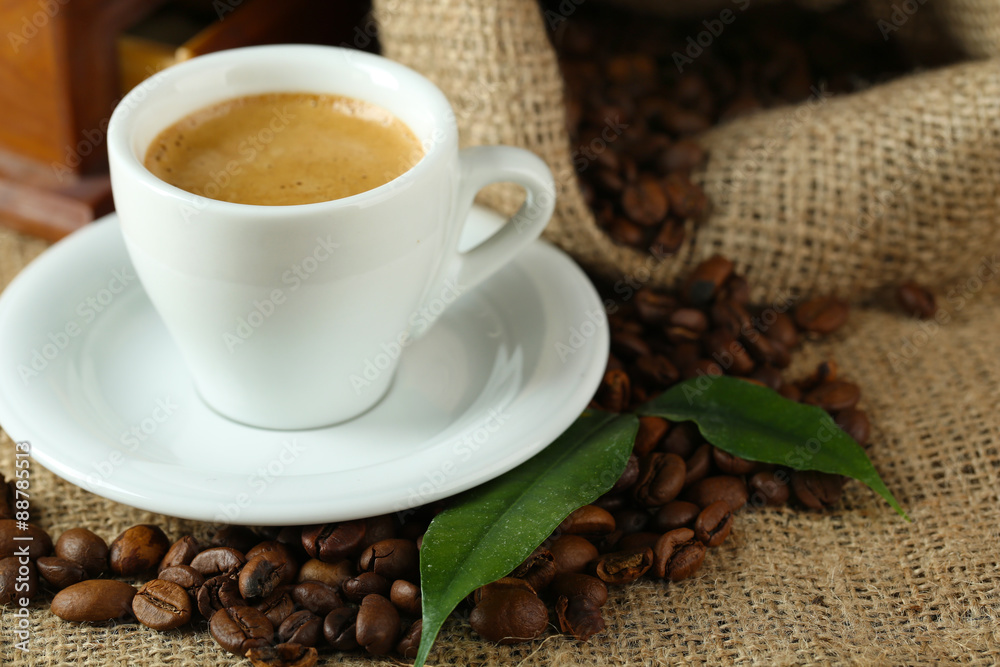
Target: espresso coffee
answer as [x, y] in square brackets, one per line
[281, 149]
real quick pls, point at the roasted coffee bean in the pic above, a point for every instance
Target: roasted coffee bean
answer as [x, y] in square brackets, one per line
[339, 628]
[622, 567]
[685, 200]
[588, 520]
[277, 607]
[501, 585]
[624, 232]
[37, 540]
[834, 396]
[677, 555]
[378, 528]
[675, 514]
[714, 524]
[378, 625]
[279, 554]
[781, 330]
[682, 440]
[571, 553]
[656, 370]
[654, 308]
[259, 577]
[14, 575]
[283, 655]
[761, 350]
[393, 558]
[698, 465]
[855, 423]
[782, 356]
[724, 487]
[184, 576]
[691, 320]
[822, 314]
[725, 349]
[769, 376]
[705, 280]
[579, 616]
[302, 627]
[916, 300]
[331, 574]
[219, 560]
[816, 490]
[629, 345]
[577, 585]
[332, 542]
[615, 391]
[703, 367]
[612, 502]
[357, 588]
[669, 239]
[316, 597]
[651, 431]
[181, 552]
[291, 537]
[162, 605]
[791, 392]
[732, 465]
[628, 476]
[730, 316]
[770, 487]
[137, 550]
[94, 600]
[634, 541]
[644, 202]
[84, 547]
[661, 477]
[538, 569]
[237, 538]
[218, 593]
[509, 616]
[631, 520]
[737, 290]
[410, 643]
[406, 597]
[239, 629]
[59, 572]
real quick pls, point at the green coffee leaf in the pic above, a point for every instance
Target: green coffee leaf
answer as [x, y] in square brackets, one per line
[491, 529]
[758, 424]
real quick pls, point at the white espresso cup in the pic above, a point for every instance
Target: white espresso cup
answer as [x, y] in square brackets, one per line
[279, 310]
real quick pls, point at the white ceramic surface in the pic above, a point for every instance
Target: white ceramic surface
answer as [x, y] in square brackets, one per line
[279, 311]
[92, 379]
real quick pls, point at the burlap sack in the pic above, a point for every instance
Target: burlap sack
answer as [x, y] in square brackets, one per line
[846, 194]
[854, 585]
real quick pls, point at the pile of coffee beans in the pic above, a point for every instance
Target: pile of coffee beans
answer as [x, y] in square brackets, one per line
[281, 595]
[640, 90]
[678, 494]
[273, 595]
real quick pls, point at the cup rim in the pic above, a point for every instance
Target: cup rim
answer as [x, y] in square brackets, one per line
[119, 127]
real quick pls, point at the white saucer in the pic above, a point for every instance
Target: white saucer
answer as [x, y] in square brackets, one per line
[502, 373]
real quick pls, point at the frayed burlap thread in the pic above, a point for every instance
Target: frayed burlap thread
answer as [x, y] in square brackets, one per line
[845, 194]
[855, 585]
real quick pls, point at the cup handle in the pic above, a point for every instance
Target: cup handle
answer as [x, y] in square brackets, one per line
[480, 166]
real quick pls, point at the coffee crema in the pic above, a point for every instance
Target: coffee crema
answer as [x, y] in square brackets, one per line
[281, 149]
